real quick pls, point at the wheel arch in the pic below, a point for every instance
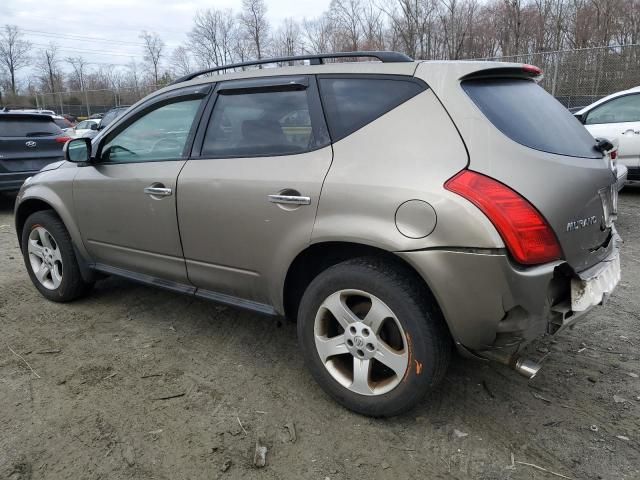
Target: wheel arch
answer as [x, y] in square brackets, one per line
[25, 209]
[319, 256]
[30, 205]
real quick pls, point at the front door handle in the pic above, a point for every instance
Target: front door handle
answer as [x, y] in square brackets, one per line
[290, 199]
[158, 191]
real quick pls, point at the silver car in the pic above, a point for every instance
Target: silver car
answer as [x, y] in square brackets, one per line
[394, 209]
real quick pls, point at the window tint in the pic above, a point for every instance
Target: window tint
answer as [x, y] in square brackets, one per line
[158, 135]
[621, 109]
[259, 123]
[15, 127]
[527, 114]
[351, 103]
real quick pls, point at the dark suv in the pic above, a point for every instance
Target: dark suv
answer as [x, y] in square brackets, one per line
[28, 142]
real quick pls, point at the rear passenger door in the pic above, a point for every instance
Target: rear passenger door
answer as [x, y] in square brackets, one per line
[248, 197]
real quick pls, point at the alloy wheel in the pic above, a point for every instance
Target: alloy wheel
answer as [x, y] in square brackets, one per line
[361, 342]
[45, 258]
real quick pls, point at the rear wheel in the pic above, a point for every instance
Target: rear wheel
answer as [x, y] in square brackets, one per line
[372, 338]
[50, 259]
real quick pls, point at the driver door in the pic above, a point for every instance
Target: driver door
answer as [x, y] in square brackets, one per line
[125, 200]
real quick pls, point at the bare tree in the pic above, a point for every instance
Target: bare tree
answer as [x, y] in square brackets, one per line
[79, 72]
[181, 61]
[212, 38]
[14, 52]
[347, 17]
[253, 18]
[288, 38]
[153, 52]
[318, 34]
[48, 65]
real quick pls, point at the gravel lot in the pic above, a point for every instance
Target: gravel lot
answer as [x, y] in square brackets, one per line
[96, 404]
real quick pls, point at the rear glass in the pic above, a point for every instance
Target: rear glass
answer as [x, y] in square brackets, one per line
[527, 114]
[15, 127]
[350, 103]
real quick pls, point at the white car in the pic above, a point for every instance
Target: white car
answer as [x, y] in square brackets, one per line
[617, 117]
[84, 127]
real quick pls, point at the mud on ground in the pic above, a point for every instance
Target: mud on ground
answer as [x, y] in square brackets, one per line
[134, 382]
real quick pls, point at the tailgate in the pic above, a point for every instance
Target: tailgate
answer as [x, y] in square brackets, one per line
[547, 156]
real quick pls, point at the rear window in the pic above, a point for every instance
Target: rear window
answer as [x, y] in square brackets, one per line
[527, 114]
[351, 103]
[16, 127]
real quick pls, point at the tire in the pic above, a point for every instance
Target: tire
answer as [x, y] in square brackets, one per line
[413, 335]
[48, 252]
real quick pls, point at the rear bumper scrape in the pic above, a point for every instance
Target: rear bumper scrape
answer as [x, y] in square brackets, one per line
[491, 304]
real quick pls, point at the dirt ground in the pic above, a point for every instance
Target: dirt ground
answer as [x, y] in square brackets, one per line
[94, 400]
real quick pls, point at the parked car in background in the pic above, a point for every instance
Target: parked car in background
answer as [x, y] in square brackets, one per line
[394, 209]
[85, 128]
[112, 115]
[62, 122]
[28, 142]
[617, 117]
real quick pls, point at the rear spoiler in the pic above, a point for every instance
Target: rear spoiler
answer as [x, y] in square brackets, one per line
[30, 116]
[526, 71]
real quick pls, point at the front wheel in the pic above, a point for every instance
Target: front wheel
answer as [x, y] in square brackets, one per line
[372, 337]
[50, 259]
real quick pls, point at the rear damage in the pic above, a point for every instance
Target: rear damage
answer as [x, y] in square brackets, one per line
[498, 305]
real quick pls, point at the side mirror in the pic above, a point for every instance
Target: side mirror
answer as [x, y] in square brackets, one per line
[77, 150]
[94, 126]
[581, 118]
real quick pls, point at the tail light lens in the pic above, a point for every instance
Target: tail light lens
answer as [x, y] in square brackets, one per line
[524, 230]
[62, 139]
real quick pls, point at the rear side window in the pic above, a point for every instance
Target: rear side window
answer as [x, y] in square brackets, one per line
[527, 114]
[259, 123]
[350, 103]
[15, 127]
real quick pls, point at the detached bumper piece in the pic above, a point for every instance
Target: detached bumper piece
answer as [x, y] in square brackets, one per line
[585, 293]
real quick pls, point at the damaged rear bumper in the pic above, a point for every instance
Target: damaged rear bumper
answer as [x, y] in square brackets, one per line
[491, 304]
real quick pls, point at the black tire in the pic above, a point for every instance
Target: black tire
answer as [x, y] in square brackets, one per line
[415, 309]
[72, 285]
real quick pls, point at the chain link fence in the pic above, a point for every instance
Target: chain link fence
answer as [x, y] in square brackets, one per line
[575, 77]
[580, 77]
[88, 102]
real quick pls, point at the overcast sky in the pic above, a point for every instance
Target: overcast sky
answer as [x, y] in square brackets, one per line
[114, 25]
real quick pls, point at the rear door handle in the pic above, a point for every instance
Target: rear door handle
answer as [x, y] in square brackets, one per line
[158, 191]
[290, 199]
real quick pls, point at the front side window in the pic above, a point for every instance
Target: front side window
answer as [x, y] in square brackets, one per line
[618, 110]
[259, 123]
[160, 134]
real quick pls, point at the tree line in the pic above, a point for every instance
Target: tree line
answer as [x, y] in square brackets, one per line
[423, 29]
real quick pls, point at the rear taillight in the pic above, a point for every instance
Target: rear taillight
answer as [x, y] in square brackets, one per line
[524, 230]
[62, 139]
[613, 154]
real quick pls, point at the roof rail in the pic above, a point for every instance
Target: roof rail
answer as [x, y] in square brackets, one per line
[314, 59]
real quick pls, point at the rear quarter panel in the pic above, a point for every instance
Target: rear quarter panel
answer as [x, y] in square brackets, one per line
[406, 154]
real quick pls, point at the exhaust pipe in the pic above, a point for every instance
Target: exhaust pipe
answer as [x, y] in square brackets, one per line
[527, 367]
[524, 366]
